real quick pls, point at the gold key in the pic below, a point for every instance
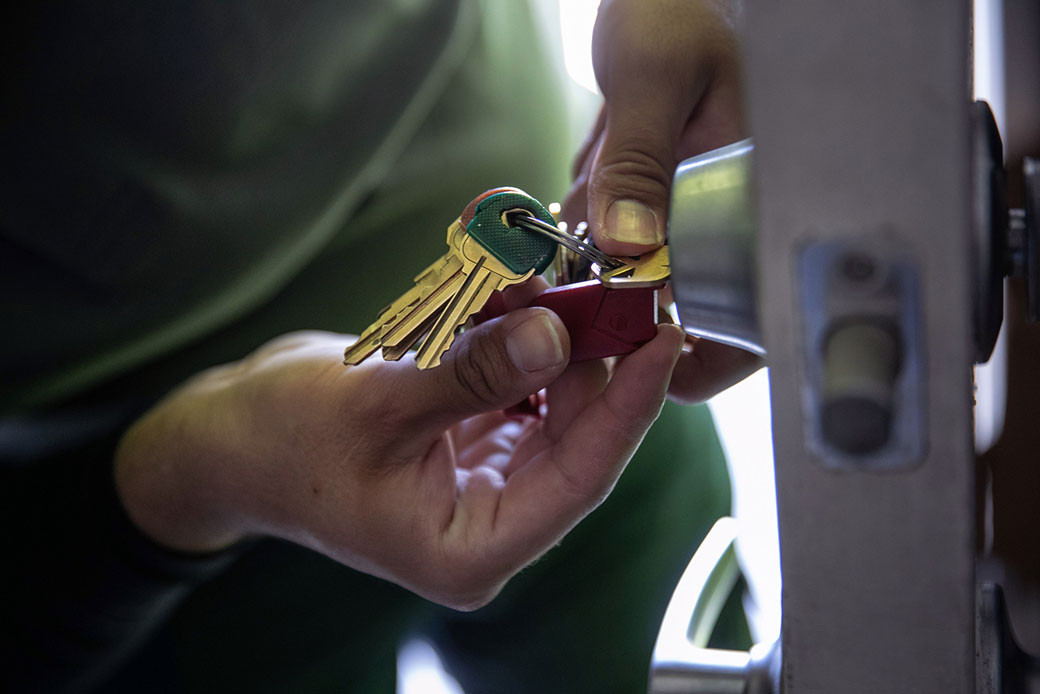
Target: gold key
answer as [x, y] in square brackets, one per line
[648, 270]
[416, 320]
[485, 275]
[497, 253]
[398, 326]
[486, 255]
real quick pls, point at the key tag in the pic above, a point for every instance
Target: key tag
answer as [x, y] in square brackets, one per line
[516, 247]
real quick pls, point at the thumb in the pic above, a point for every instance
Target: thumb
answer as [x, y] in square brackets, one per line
[630, 178]
[653, 62]
[629, 183]
[492, 366]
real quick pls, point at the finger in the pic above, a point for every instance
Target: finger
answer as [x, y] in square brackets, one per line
[657, 70]
[575, 204]
[545, 498]
[718, 119]
[489, 367]
[706, 368]
[521, 295]
[495, 447]
[588, 147]
[629, 183]
[571, 393]
[473, 429]
[510, 299]
[575, 208]
[479, 490]
[566, 397]
[649, 98]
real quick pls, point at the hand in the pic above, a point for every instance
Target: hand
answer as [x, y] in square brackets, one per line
[414, 476]
[670, 75]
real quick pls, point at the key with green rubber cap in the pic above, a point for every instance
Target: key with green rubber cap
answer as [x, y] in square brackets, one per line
[486, 253]
[495, 255]
[518, 248]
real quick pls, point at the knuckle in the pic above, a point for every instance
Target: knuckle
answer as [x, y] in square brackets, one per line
[482, 369]
[634, 172]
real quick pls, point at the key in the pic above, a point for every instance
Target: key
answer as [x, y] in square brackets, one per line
[580, 268]
[496, 255]
[483, 256]
[648, 270]
[398, 326]
[571, 266]
[433, 293]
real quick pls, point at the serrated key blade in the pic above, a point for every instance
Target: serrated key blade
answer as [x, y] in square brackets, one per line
[442, 334]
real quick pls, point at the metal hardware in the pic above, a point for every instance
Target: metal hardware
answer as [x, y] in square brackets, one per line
[712, 239]
[585, 250]
[681, 663]
[1002, 667]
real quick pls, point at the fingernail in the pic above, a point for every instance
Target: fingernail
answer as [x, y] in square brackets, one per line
[630, 221]
[534, 344]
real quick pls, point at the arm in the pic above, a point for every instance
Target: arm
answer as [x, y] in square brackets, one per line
[413, 476]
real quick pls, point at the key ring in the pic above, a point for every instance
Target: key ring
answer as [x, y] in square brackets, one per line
[585, 250]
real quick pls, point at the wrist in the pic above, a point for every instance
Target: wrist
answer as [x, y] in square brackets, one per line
[170, 488]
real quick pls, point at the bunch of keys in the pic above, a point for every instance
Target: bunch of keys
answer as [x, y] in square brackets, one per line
[505, 237]
[485, 254]
[616, 311]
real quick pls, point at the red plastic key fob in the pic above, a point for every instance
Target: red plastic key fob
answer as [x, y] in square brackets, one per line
[603, 322]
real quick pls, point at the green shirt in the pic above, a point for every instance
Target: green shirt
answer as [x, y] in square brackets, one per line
[171, 169]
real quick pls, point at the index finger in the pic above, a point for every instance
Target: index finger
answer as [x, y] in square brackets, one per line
[548, 496]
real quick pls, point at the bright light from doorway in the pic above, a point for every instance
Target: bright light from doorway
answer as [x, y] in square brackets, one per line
[577, 17]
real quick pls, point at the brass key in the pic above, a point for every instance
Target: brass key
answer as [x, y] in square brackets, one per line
[416, 320]
[484, 276]
[497, 254]
[648, 270]
[398, 326]
[483, 257]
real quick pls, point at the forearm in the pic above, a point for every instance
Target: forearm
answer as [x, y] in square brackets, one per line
[168, 477]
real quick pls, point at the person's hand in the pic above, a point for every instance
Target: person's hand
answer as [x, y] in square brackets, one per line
[670, 75]
[414, 476]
